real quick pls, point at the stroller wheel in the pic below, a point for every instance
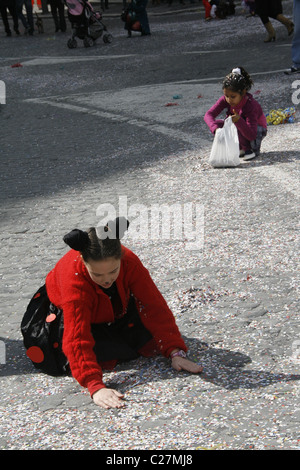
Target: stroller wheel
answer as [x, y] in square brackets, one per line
[107, 38]
[88, 42]
[72, 43]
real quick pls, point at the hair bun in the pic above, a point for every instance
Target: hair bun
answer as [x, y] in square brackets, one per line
[77, 239]
[114, 229]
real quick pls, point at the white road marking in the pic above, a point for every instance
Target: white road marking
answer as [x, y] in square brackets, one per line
[65, 60]
[145, 107]
[204, 52]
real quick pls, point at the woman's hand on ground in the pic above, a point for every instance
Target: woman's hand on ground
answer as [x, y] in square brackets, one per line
[108, 398]
[181, 363]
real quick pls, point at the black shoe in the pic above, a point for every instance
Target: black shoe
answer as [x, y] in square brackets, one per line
[30, 31]
[249, 155]
[17, 32]
[292, 70]
[8, 33]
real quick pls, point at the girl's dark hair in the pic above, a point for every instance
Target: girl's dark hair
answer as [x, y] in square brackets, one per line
[238, 80]
[99, 243]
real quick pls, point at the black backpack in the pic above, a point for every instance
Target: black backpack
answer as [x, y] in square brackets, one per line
[42, 330]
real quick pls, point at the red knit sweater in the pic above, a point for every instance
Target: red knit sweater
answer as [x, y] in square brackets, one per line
[70, 287]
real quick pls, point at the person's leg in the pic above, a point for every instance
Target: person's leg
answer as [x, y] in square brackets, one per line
[244, 143]
[262, 9]
[207, 7]
[296, 38]
[286, 22]
[19, 6]
[13, 11]
[28, 6]
[54, 15]
[62, 20]
[5, 19]
[271, 32]
[256, 144]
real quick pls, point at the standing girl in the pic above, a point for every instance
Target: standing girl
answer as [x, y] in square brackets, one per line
[246, 113]
[100, 306]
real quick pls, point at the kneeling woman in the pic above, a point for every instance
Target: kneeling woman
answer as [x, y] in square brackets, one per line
[108, 309]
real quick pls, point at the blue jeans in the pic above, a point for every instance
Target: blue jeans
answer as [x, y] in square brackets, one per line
[29, 22]
[296, 38]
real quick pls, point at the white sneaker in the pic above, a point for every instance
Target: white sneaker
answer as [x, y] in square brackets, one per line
[249, 155]
[242, 153]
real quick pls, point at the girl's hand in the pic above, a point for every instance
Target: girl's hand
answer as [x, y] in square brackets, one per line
[108, 398]
[235, 117]
[181, 363]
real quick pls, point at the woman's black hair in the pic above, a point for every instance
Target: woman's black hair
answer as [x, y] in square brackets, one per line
[99, 243]
[238, 80]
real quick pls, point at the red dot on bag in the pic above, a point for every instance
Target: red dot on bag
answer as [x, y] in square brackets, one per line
[37, 295]
[51, 317]
[130, 325]
[55, 345]
[35, 354]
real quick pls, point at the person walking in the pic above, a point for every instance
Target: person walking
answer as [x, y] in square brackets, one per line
[11, 7]
[27, 22]
[272, 8]
[137, 18]
[58, 14]
[296, 40]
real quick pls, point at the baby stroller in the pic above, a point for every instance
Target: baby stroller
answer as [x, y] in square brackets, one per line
[86, 23]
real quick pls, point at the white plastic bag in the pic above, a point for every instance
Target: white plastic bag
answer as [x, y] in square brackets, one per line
[225, 151]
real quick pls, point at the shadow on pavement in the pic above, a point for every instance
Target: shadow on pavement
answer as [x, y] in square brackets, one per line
[221, 367]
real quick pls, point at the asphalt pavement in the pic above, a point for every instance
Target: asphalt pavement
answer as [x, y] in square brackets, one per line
[119, 127]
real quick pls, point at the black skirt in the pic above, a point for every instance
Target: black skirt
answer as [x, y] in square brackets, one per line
[42, 328]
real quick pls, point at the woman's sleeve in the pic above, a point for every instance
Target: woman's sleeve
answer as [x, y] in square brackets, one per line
[154, 311]
[78, 343]
[213, 112]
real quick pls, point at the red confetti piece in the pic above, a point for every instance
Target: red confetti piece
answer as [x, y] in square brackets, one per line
[199, 96]
[171, 104]
[16, 65]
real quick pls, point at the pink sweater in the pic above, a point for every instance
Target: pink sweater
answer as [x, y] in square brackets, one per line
[250, 111]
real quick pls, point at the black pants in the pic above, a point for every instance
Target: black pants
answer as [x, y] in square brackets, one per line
[58, 14]
[122, 339]
[268, 8]
[13, 11]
